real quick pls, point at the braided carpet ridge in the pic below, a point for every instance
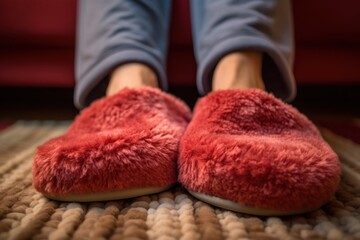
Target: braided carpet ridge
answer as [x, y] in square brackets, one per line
[174, 214]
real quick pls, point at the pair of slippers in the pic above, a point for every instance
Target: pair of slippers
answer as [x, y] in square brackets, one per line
[241, 150]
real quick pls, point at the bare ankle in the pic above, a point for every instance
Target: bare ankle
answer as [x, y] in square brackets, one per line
[131, 75]
[239, 70]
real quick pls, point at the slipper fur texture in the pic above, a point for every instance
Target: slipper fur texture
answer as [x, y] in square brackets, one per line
[251, 148]
[129, 140]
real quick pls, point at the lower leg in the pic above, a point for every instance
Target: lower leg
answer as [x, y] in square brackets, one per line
[131, 75]
[239, 70]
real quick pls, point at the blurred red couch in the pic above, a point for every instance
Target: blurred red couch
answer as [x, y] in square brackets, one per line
[37, 40]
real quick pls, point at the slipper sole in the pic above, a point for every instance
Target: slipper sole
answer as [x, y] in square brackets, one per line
[107, 196]
[243, 208]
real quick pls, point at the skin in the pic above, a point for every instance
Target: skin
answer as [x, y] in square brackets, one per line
[131, 75]
[237, 70]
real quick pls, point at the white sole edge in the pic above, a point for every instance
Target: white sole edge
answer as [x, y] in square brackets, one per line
[107, 196]
[242, 208]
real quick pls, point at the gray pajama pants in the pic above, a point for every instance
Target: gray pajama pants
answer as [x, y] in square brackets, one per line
[112, 32]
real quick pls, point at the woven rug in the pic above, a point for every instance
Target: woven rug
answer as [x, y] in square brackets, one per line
[26, 214]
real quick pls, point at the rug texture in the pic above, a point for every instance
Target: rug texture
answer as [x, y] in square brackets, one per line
[26, 214]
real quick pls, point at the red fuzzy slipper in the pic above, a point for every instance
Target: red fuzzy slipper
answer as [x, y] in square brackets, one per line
[121, 146]
[249, 152]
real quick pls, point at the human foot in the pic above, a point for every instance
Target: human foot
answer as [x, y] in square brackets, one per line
[131, 75]
[239, 70]
[121, 146]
